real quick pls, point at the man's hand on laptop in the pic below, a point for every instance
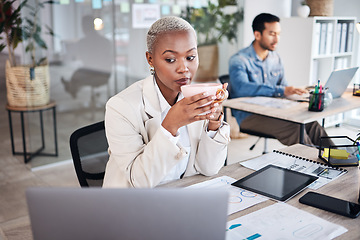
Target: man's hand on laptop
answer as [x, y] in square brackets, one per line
[290, 90]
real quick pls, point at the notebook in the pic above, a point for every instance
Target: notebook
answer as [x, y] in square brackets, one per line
[95, 213]
[339, 81]
[324, 172]
[276, 182]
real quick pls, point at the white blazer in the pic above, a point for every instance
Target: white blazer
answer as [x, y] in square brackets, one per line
[141, 155]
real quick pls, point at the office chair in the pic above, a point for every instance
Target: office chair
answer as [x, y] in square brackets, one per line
[89, 147]
[226, 79]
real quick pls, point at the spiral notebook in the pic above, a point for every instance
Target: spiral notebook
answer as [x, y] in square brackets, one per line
[325, 172]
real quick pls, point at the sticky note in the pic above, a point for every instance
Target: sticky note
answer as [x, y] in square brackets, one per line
[96, 4]
[165, 10]
[336, 153]
[176, 9]
[124, 7]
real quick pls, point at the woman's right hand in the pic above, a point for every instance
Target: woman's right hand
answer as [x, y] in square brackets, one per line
[188, 110]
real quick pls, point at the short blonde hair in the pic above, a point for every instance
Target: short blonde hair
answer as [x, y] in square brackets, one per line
[166, 25]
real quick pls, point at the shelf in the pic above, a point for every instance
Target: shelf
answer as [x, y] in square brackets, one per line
[326, 44]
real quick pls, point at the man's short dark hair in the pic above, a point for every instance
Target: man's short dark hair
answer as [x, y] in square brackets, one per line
[260, 20]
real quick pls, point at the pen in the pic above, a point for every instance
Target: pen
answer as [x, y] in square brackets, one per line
[320, 91]
[316, 98]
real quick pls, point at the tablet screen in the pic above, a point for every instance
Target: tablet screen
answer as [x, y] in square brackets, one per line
[275, 182]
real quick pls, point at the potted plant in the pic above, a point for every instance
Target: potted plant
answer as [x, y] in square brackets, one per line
[213, 23]
[320, 7]
[27, 85]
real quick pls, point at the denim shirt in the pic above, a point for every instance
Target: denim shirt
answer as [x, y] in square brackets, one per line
[250, 76]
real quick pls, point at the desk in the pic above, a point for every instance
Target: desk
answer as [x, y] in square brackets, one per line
[346, 187]
[298, 114]
[29, 155]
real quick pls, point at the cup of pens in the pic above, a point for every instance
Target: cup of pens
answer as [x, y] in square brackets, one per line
[317, 99]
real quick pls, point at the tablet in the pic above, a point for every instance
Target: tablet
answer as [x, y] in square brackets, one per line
[275, 182]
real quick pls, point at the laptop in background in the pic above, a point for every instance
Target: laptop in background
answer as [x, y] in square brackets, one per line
[96, 213]
[339, 80]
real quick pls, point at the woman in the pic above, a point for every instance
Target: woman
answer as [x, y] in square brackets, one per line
[154, 134]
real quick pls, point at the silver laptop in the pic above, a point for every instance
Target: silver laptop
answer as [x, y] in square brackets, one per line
[339, 81]
[96, 213]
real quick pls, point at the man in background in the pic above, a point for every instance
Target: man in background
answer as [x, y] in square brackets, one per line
[258, 71]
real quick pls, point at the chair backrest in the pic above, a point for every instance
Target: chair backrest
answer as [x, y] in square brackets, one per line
[89, 150]
[226, 79]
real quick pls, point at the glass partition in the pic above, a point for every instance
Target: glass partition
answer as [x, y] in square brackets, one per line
[98, 50]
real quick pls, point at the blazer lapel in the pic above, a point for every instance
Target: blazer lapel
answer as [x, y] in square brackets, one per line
[151, 107]
[151, 100]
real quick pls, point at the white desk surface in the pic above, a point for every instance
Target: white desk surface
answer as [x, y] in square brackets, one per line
[345, 187]
[300, 113]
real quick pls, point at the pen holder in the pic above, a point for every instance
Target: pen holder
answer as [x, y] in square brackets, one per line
[356, 89]
[316, 102]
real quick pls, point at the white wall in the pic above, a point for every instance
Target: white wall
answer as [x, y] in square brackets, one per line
[280, 8]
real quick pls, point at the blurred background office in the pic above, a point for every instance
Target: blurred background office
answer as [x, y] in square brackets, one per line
[99, 49]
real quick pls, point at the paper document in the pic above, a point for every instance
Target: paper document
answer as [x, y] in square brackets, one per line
[239, 199]
[295, 163]
[282, 221]
[271, 102]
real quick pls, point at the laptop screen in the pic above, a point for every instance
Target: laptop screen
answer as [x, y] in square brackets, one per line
[95, 213]
[339, 81]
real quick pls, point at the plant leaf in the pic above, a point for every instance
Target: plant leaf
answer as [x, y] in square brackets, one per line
[29, 47]
[2, 46]
[43, 59]
[39, 41]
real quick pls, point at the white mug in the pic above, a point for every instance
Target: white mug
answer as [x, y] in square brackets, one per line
[211, 88]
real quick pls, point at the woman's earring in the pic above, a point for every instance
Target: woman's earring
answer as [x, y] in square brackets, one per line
[152, 70]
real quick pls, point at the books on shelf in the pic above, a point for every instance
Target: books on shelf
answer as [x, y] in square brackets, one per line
[344, 37]
[324, 37]
[350, 37]
[329, 37]
[316, 42]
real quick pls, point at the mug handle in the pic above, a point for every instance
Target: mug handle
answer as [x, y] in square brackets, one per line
[220, 95]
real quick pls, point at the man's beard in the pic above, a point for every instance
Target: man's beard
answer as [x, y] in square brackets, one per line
[265, 47]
